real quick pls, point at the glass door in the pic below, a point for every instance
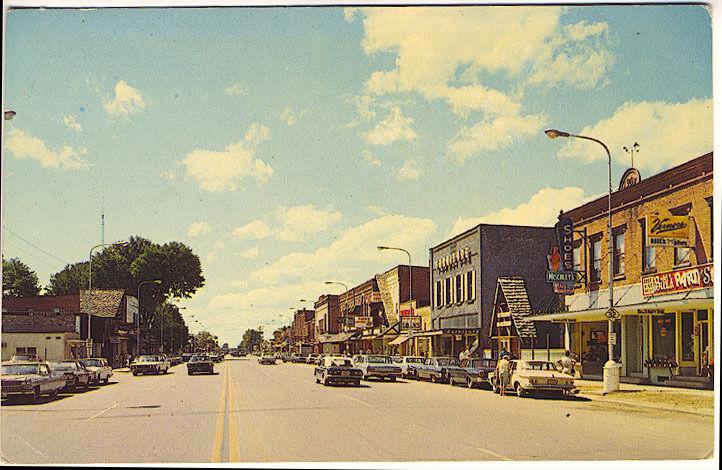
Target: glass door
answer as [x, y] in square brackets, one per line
[704, 348]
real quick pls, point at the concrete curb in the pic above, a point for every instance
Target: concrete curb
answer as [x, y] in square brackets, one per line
[597, 398]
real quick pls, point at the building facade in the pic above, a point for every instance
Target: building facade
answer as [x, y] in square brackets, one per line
[663, 293]
[464, 273]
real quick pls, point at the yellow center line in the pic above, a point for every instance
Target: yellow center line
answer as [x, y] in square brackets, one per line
[234, 450]
[218, 438]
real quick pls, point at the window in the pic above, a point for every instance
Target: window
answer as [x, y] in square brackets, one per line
[664, 336]
[447, 290]
[595, 263]
[649, 253]
[577, 257]
[618, 240]
[687, 336]
[681, 255]
[459, 289]
[439, 294]
[470, 286]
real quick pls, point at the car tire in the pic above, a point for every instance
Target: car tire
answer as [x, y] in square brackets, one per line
[318, 381]
[357, 383]
[469, 382]
[54, 394]
[520, 392]
[135, 373]
[106, 380]
[35, 397]
[366, 378]
[326, 383]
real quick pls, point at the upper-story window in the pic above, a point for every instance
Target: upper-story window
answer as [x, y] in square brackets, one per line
[470, 285]
[618, 240]
[595, 261]
[683, 254]
[649, 253]
[439, 294]
[447, 291]
[459, 288]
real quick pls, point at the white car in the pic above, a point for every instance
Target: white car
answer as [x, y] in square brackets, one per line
[529, 377]
[99, 368]
[150, 364]
[407, 364]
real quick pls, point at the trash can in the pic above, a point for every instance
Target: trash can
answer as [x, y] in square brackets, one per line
[612, 371]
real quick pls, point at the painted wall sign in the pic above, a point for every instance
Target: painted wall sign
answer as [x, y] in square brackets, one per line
[411, 323]
[680, 280]
[667, 230]
[629, 178]
[363, 322]
[453, 260]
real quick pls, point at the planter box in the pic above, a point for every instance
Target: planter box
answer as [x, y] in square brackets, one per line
[659, 375]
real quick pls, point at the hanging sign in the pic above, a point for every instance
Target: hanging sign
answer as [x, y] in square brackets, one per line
[668, 230]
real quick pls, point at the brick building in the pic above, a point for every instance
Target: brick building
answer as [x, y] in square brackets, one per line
[50, 335]
[664, 294]
[326, 322]
[302, 329]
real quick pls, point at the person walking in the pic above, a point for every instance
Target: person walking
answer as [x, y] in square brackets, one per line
[502, 368]
[567, 363]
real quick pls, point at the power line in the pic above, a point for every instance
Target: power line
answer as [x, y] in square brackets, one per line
[35, 246]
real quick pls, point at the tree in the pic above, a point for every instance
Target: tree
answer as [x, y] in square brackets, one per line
[19, 280]
[70, 280]
[251, 339]
[205, 341]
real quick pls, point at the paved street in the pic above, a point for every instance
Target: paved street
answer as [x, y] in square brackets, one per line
[253, 413]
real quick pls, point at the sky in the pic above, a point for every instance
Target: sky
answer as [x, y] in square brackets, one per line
[284, 144]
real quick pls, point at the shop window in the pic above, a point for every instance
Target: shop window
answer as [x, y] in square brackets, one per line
[577, 256]
[649, 253]
[459, 288]
[470, 286]
[664, 336]
[618, 247]
[595, 262]
[687, 336]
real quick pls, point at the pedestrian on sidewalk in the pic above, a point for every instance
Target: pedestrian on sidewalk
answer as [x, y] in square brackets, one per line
[567, 363]
[502, 368]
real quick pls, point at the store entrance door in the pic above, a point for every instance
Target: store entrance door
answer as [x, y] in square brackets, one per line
[634, 342]
[702, 330]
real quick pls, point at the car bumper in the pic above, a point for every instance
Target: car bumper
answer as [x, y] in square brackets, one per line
[145, 369]
[551, 388]
[208, 369]
[383, 374]
[16, 390]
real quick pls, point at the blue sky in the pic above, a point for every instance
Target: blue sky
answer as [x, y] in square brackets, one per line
[284, 144]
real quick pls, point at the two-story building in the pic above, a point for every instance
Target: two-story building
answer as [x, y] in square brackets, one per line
[663, 284]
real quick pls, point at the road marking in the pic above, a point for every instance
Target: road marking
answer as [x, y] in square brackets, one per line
[115, 405]
[494, 454]
[234, 450]
[218, 438]
[357, 400]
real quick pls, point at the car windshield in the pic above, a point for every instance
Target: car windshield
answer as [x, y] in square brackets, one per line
[199, 358]
[448, 361]
[415, 360]
[21, 369]
[538, 365]
[24, 357]
[338, 362]
[147, 359]
[380, 359]
[93, 363]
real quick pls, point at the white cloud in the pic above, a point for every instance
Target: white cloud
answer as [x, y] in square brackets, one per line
[353, 255]
[410, 170]
[127, 101]
[218, 171]
[168, 175]
[668, 134]
[237, 89]
[22, 145]
[395, 127]
[255, 230]
[370, 158]
[493, 134]
[252, 253]
[301, 223]
[290, 117]
[540, 211]
[199, 228]
[72, 123]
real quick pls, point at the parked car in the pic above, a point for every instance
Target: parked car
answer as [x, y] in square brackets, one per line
[298, 359]
[200, 363]
[436, 369]
[216, 357]
[99, 368]
[337, 369]
[150, 364]
[31, 379]
[76, 375]
[25, 358]
[185, 357]
[381, 367]
[530, 377]
[175, 360]
[267, 358]
[408, 365]
[474, 372]
[312, 358]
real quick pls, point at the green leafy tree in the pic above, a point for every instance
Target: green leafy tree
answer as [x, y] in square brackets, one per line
[205, 341]
[18, 279]
[70, 280]
[251, 339]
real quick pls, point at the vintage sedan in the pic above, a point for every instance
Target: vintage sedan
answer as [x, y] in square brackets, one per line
[267, 358]
[381, 367]
[530, 377]
[25, 358]
[408, 365]
[474, 372]
[150, 364]
[31, 379]
[76, 375]
[200, 363]
[436, 369]
[312, 358]
[298, 359]
[99, 368]
[337, 369]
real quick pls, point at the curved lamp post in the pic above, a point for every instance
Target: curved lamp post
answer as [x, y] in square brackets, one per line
[610, 364]
[89, 344]
[345, 326]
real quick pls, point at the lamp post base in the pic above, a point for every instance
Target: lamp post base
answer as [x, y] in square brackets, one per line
[612, 371]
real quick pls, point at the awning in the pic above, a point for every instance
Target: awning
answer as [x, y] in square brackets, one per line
[429, 333]
[340, 337]
[399, 340]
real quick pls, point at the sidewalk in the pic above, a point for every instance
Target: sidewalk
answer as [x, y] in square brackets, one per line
[698, 402]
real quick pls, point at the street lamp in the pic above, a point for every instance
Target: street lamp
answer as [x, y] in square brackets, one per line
[345, 304]
[137, 319]
[411, 309]
[611, 367]
[89, 344]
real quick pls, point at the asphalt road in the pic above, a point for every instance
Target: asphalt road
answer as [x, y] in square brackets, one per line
[252, 413]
